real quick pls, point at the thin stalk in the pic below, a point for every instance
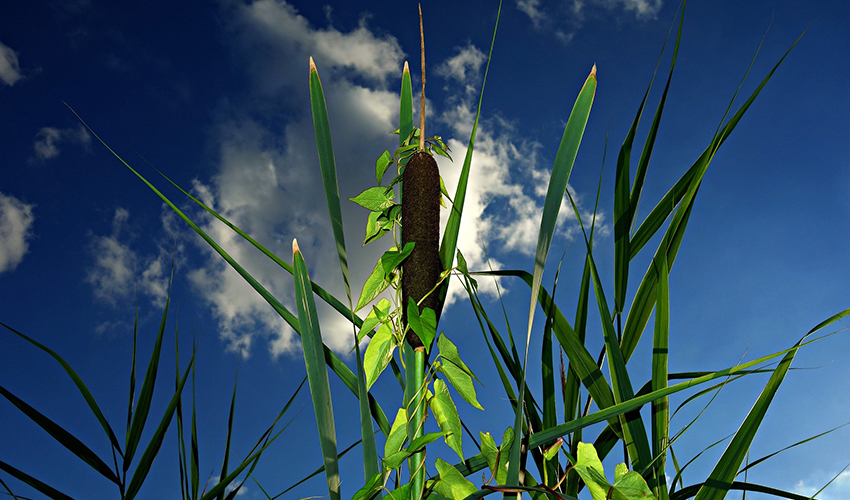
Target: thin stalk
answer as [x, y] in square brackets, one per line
[415, 428]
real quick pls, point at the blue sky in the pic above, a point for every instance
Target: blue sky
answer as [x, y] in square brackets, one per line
[215, 95]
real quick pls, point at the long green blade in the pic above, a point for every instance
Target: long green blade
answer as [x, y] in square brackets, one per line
[146, 461]
[77, 382]
[448, 246]
[314, 358]
[229, 434]
[143, 406]
[64, 437]
[35, 483]
[405, 107]
[661, 407]
[333, 361]
[564, 161]
[682, 193]
[724, 472]
[324, 145]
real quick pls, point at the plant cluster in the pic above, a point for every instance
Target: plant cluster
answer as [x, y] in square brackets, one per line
[543, 453]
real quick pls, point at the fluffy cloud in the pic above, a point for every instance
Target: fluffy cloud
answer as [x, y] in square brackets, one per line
[46, 144]
[118, 271]
[10, 69]
[838, 489]
[16, 220]
[268, 180]
[578, 10]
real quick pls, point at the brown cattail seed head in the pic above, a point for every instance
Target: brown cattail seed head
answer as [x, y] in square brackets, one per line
[420, 223]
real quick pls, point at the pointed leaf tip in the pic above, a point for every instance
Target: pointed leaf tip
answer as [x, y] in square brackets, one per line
[406, 67]
[295, 248]
[592, 70]
[313, 65]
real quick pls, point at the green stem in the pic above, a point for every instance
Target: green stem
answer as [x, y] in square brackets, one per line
[415, 401]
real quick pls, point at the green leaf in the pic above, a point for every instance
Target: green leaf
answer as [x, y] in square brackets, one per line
[564, 161]
[424, 324]
[64, 437]
[405, 108]
[392, 258]
[376, 316]
[314, 358]
[35, 483]
[373, 229]
[143, 405]
[445, 412]
[375, 198]
[375, 284]
[452, 484]
[78, 382]
[378, 353]
[371, 488]
[448, 245]
[324, 146]
[456, 371]
[489, 450]
[398, 433]
[146, 461]
[381, 164]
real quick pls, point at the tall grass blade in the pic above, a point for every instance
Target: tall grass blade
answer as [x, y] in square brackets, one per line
[64, 437]
[448, 246]
[333, 361]
[405, 107]
[649, 143]
[77, 382]
[682, 194]
[634, 431]
[132, 392]
[661, 407]
[314, 358]
[146, 461]
[229, 434]
[691, 491]
[143, 405]
[324, 145]
[564, 161]
[35, 483]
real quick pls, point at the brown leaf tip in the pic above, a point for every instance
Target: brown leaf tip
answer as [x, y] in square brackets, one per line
[406, 67]
[593, 71]
[295, 248]
[313, 65]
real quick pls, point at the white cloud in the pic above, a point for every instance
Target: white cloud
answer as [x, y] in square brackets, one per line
[10, 69]
[118, 271]
[642, 9]
[46, 144]
[532, 9]
[268, 181]
[838, 489]
[16, 220]
[464, 67]
[577, 11]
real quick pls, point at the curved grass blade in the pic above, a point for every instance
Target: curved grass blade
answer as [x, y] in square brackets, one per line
[405, 106]
[448, 246]
[333, 361]
[661, 407]
[229, 434]
[324, 145]
[691, 491]
[564, 161]
[683, 194]
[146, 461]
[35, 483]
[548, 436]
[311, 340]
[724, 472]
[143, 405]
[64, 437]
[77, 382]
